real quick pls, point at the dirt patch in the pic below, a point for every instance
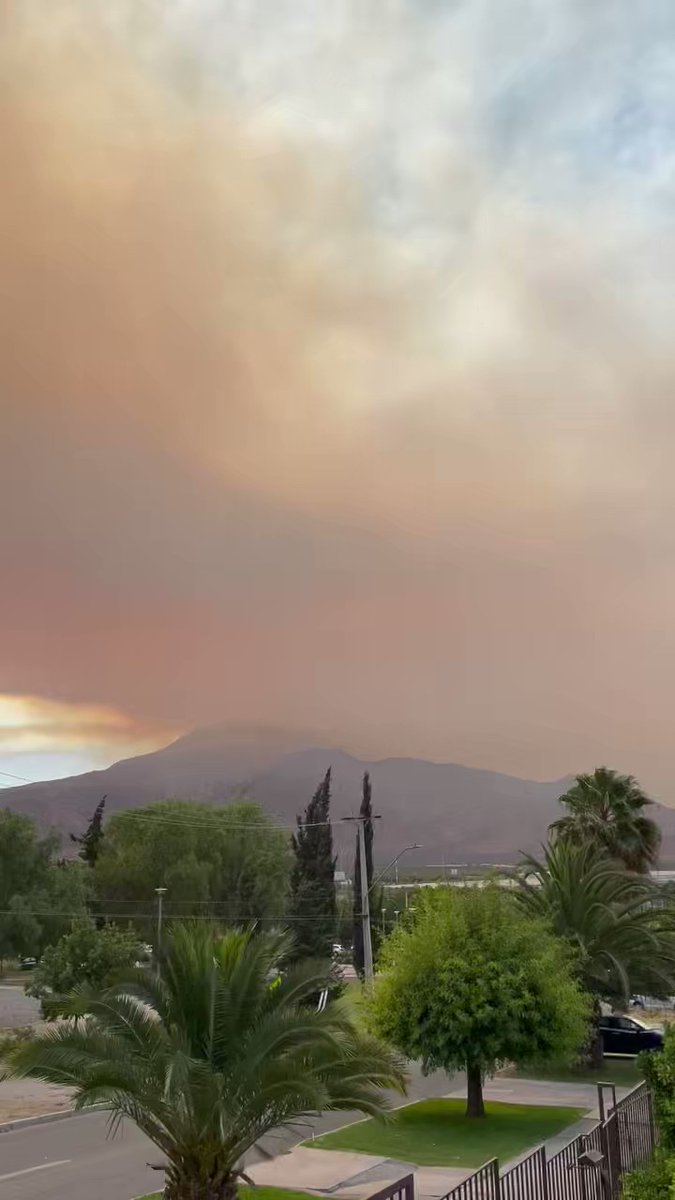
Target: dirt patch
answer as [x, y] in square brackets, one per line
[30, 1098]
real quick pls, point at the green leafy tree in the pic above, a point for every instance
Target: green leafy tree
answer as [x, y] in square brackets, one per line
[622, 936]
[85, 957]
[212, 1053]
[20, 929]
[38, 899]
[469, 981]
[313, 902]
[366, 813]
[607, 810]
[59, 902]
[25, 857]
[91, 839]
[226, 861]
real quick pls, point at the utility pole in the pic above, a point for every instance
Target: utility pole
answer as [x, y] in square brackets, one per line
[365, 907]
[365, 895]
[160, 892]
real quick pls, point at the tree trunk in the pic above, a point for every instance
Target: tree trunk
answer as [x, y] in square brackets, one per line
[594, 1049]
[186, 1188]
[593, 1054]
[474, 1091]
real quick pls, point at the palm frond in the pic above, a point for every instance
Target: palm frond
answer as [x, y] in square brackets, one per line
[220, 1047]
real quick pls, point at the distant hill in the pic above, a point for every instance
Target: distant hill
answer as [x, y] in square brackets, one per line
[458, 814]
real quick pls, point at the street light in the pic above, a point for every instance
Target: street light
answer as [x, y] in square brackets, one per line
[414, 846]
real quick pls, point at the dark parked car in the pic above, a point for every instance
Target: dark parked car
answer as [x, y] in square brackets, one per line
[626, 1036]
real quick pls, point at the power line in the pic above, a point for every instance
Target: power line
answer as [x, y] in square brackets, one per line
[21, 778]
[206, 823]
[152, 916]
[210, 823]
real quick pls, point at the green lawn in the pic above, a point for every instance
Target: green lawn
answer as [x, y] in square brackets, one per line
[623, 1072]
[435, 1133]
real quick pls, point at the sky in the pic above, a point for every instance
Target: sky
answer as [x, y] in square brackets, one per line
[337, 379]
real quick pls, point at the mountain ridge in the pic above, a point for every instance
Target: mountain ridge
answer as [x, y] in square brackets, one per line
[459, 813]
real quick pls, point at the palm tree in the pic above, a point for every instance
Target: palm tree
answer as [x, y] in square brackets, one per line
[623, 938]
[212, 1053]
[607, 809]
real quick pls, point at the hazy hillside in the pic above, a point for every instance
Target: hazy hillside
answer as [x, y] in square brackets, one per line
[458, 814]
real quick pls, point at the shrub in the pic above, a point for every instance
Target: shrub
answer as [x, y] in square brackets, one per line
[86, 956]
[658, 1067]
[654, 1182]
[9, 1038]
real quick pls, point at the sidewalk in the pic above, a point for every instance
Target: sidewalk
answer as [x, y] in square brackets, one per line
[341, 1173]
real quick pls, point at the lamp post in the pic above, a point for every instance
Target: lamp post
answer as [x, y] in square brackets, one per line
[414, 846]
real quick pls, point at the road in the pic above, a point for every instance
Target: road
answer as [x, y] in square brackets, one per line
[16, 1008]
[74, 1159]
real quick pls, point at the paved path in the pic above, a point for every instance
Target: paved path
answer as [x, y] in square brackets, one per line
[359, 1175]
[73, 1159]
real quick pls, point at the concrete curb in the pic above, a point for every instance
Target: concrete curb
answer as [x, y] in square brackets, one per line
[48, 1118]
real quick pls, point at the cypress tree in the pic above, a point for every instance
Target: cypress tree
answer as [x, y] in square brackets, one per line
[91, 839]
[313, 905]
[366, 810]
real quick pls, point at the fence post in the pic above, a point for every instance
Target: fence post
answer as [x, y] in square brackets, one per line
[652, 1123]
[496, 1182]
[543, 1174]
[601, 1102]
[612, 1140]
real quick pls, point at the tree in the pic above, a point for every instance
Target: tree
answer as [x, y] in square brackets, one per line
[38, 899]
[366, 831]
[20, 929]
[623, 938]
[85, 957]
[606, 810]
[469, 981]
[213, 1052]
[91, 839]
[25, 857]
[231, 861]
[313, 903]
[59, 902]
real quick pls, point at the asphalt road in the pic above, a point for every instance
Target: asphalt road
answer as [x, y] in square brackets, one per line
[74, 1159]
[16, 1008]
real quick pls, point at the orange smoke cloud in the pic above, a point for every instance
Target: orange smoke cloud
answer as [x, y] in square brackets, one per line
[268, 458]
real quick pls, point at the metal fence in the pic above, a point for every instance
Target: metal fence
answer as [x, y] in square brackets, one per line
[403, 1189]
[589, 1168]
[482, 1185]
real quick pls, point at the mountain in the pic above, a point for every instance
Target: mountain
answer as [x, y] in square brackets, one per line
[458, 814]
